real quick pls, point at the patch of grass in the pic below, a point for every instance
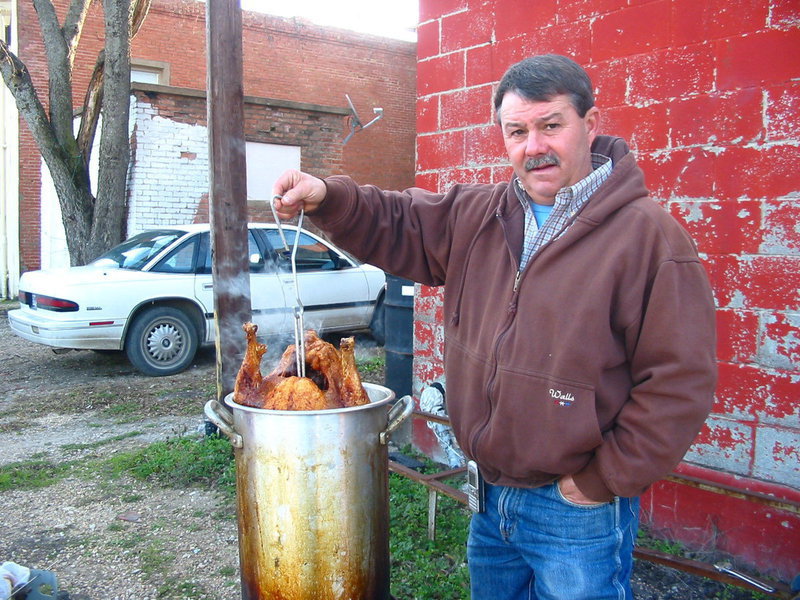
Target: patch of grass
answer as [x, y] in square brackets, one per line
[182, 590]
[730, 592]
[711, 589]
[124, 410]
[33, 474]
[124, 403]
[371, 367]
[184, 400]
[160, 524]
[79, 399]
[128, 542]
[188, 392]
[103, 442]
[181, 462]
[646, 540]
[423, 568]
[153, 558]
[130, 498]
[226, 515]
[14, 426]
[110, 488]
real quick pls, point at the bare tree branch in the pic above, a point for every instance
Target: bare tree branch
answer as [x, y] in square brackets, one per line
[93, 100]
[92, 103]
[139, 11]
[59, 70]
[73, 25]
[18, 81]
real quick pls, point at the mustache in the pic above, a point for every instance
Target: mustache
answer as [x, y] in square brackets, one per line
[544, 161]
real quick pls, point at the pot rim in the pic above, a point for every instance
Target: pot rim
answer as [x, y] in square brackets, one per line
[369, 387]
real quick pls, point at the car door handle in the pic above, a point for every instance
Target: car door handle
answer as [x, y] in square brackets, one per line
[208, 286]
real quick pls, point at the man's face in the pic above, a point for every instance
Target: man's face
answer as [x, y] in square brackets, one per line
[548, 143]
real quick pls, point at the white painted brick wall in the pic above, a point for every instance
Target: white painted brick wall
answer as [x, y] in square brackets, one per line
[165, 188]
[775, 456]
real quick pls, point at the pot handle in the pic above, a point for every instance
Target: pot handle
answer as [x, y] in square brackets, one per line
[222, 418]
[399, 412]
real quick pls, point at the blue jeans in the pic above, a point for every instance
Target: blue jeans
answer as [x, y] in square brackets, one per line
[533, 544]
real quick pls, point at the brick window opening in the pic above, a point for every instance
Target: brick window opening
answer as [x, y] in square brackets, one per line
[150, 71]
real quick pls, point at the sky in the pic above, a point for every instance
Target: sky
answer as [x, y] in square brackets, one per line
[395, 18]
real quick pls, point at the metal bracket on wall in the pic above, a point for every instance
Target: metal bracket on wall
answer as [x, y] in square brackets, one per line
[355, 121]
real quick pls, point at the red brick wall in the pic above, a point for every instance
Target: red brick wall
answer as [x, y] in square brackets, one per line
[707, 94]
[296, 60]
[31, 49]
[283, 59]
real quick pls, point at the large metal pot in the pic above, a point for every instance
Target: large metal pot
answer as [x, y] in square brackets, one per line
[313, 499]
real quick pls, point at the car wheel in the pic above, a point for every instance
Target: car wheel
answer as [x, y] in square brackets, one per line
[161, 341]
[377, 326]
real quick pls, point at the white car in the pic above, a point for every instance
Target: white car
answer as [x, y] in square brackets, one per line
[152, 296]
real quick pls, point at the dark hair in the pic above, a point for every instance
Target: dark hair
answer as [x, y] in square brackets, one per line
[540, 78]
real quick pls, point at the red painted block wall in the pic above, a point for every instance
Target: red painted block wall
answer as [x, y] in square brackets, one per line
[283, 59]
[707, 93]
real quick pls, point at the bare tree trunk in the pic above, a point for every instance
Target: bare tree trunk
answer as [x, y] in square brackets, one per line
[109, 210]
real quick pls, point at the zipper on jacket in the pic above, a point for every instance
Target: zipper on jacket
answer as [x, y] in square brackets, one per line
[510, 316]
[510, 312]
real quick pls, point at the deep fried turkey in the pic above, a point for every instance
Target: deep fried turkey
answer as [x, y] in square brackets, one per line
[353, 393]
[332, 379]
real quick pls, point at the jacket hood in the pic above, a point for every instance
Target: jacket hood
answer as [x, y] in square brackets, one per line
[624, 185]
[613, 147]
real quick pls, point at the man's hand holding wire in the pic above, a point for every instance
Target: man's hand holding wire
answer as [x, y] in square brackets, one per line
[294, 191]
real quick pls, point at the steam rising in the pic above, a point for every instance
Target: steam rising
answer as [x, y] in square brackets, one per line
[279, 324]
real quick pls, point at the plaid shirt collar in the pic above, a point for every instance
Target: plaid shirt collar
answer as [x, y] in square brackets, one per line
[568, 202]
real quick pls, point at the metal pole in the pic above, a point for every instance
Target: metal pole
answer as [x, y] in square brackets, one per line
[227, 187]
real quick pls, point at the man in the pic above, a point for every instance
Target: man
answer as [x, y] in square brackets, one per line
[579, 332]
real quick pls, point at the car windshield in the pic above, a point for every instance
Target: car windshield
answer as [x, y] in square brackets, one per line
[137, 251]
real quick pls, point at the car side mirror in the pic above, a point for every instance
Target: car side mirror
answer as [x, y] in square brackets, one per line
[340, 262]
[256, 261]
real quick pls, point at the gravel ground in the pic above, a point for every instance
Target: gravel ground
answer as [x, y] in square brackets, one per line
[109, 540]
[123, 539]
